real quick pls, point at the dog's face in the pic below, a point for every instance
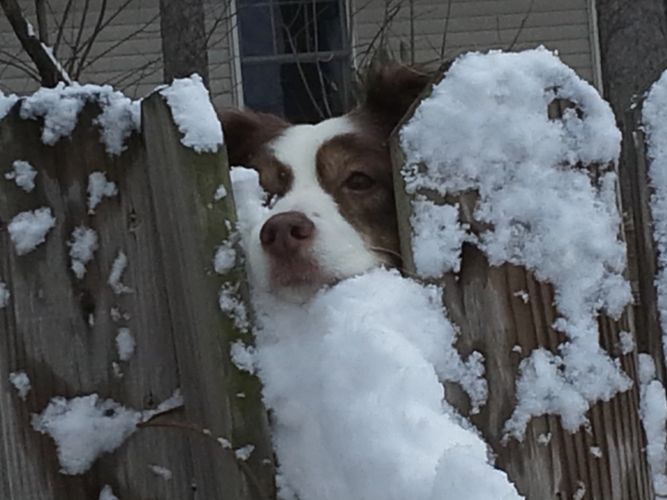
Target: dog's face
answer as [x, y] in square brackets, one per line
[331, 208]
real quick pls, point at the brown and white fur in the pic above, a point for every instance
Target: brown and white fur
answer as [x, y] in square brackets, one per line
[332, 212]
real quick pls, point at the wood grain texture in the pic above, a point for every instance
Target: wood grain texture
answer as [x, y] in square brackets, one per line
[481, 301]
[165, 221]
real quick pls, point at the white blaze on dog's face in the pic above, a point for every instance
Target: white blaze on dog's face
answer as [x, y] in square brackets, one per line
[332, 212]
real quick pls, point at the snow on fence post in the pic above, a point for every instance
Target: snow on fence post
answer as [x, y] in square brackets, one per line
[129, 310]
[501, 308]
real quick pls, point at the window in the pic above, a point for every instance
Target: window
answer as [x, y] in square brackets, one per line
[294, 57]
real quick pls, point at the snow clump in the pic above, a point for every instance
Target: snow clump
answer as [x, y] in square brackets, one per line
[99, 187]
[82, 246]
[125, 344]
[194, 114]
[23, 174]
[6, 103]
[21, 383]
[28, 229]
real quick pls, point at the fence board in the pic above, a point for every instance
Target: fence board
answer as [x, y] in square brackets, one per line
[181, 335]
[480, 300]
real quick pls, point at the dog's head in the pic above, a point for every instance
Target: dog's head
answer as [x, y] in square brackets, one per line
[332, 212]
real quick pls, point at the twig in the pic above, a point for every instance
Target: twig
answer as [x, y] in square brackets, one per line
[77, 42]
[49, 71]
[61, 25]
[521, 26]
[445, 30]
[91, 40]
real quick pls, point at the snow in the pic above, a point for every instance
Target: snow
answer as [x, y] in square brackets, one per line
[116, 274]
[60, 106]
[84, 428]
[82, 245]
[21, 383]
[107, 493]
[485, 129]
[6, 103]
[653, 412]
[161, 472]
[233, 307]
[243, 356]
[354, 382]
[220, 193]
[244, 452]
[437, 250]
[225, 258]
[194, 114]
[125, 344]
[28, 229]
[99, 187]
[626, 342]
[4, 295]
[654, 117]
[23, 174]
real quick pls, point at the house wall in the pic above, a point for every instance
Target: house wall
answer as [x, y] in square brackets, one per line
[129, 49]
[413, 29]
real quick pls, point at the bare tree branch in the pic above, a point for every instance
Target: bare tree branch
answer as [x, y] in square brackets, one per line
[42, 27]
[445, 30]
[61, 25]
[521, 26]
[69, 65]
[49, 70]
[91, 40]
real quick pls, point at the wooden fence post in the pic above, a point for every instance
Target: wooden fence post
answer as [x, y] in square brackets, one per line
[482, 301]
[61, 330]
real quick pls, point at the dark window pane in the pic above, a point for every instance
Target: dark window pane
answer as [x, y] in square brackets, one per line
[302, 93]
[255, 31]
[306, 26]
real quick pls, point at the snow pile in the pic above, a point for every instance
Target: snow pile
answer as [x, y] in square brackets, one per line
[21, 383]
[60, 106]
[354, 382]
[23, 174]
[28, 229]
[4, 295]
[84, 428]
[243, 356]
[353, 379]
[653, 411]
[99, 187]
[654, 117]
[194, 114]
[82, 246]
[485, 128]
[6, 103]
[125, 344]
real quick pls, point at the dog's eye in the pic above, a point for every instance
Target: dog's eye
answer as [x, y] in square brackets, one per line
[358, 182]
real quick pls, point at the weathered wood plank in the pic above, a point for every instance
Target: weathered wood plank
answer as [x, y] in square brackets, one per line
[481, 301]
[172, 313]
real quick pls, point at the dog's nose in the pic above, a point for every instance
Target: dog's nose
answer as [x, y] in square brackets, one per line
[287, 232]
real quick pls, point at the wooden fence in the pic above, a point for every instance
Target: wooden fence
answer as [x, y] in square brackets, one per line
[482, 300]
[61, 330]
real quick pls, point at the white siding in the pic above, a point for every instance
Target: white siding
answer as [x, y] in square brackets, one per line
[415, 34]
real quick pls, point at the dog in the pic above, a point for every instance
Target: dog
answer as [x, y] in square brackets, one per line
[332, 212]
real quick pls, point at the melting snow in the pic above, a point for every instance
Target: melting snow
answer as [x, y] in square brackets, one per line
[4, 295]
[125, 344]
[107, 493]
[225, 258]
[116, 274]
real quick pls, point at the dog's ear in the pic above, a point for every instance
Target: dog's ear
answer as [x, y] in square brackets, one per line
[246, 131]
[389, 91]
